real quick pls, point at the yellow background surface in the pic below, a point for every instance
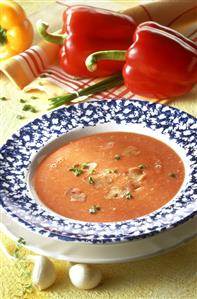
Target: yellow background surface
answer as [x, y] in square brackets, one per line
[169, 276]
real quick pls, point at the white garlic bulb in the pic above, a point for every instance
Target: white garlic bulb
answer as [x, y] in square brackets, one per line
[44, 273]
[84, 276]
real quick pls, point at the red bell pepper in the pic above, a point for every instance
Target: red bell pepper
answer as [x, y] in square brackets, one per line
[86, 30]
[160, 63]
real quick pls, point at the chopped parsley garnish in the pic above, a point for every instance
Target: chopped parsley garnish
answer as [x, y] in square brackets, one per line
[129, 195]
[91, 180]
[22, 101]
[76, 170]
[33, 110]
[142, 166]
[3, 99]
[20, 117]
[30, 108]
[94, 209]
[84, 165]
[173, 174]
[110, 171]
[117, 157]
[92, 171]
[27, 107]
[34, 97]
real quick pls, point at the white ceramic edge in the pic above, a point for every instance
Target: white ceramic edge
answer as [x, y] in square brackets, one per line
[57, 142]
[100, 254]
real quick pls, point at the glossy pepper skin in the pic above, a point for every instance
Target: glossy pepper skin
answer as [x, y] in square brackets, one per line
[90, 29]
[160, 63]
[16, 32]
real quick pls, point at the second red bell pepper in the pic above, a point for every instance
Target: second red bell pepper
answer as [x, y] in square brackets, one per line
[86, 30]
[161, 62]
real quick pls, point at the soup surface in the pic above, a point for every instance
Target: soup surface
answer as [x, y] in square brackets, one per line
[111, 176]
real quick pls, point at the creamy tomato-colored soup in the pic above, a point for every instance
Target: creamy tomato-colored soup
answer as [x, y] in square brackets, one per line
[109, 177]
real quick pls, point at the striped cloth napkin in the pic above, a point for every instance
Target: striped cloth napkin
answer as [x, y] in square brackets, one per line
[37, 68]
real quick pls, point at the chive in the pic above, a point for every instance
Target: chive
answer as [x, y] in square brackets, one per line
[173, 174]
[129, 195]
[76, 171]
[20, 116]
[90, 90]
[117, 157]
[94, 209]
[40, 83]
[3, 98]
[22, 101]
[34, 97]
[91, 180]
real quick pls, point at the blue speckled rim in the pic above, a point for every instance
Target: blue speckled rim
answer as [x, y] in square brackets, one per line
[15, 159]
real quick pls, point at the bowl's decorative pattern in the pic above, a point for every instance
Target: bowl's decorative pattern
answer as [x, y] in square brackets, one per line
[16, 154]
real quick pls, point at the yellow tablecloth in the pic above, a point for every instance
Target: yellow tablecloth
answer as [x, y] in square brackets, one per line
[169, 276]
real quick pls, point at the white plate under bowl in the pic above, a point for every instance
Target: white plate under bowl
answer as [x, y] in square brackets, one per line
[100, 254]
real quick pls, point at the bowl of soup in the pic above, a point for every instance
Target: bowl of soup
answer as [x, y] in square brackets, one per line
[102, 172]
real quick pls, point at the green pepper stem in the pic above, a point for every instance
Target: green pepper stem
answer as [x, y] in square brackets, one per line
[91, 60]
[54, 38]
[3, 37]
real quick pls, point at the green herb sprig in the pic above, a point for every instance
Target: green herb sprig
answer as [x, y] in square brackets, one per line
[23, 267]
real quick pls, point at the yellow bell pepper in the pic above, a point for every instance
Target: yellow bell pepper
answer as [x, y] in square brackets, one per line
[16, 31]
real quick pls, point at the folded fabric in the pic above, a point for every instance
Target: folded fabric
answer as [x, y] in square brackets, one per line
[37, 68]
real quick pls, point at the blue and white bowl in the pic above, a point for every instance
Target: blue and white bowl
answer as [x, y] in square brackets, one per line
[26, 148]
